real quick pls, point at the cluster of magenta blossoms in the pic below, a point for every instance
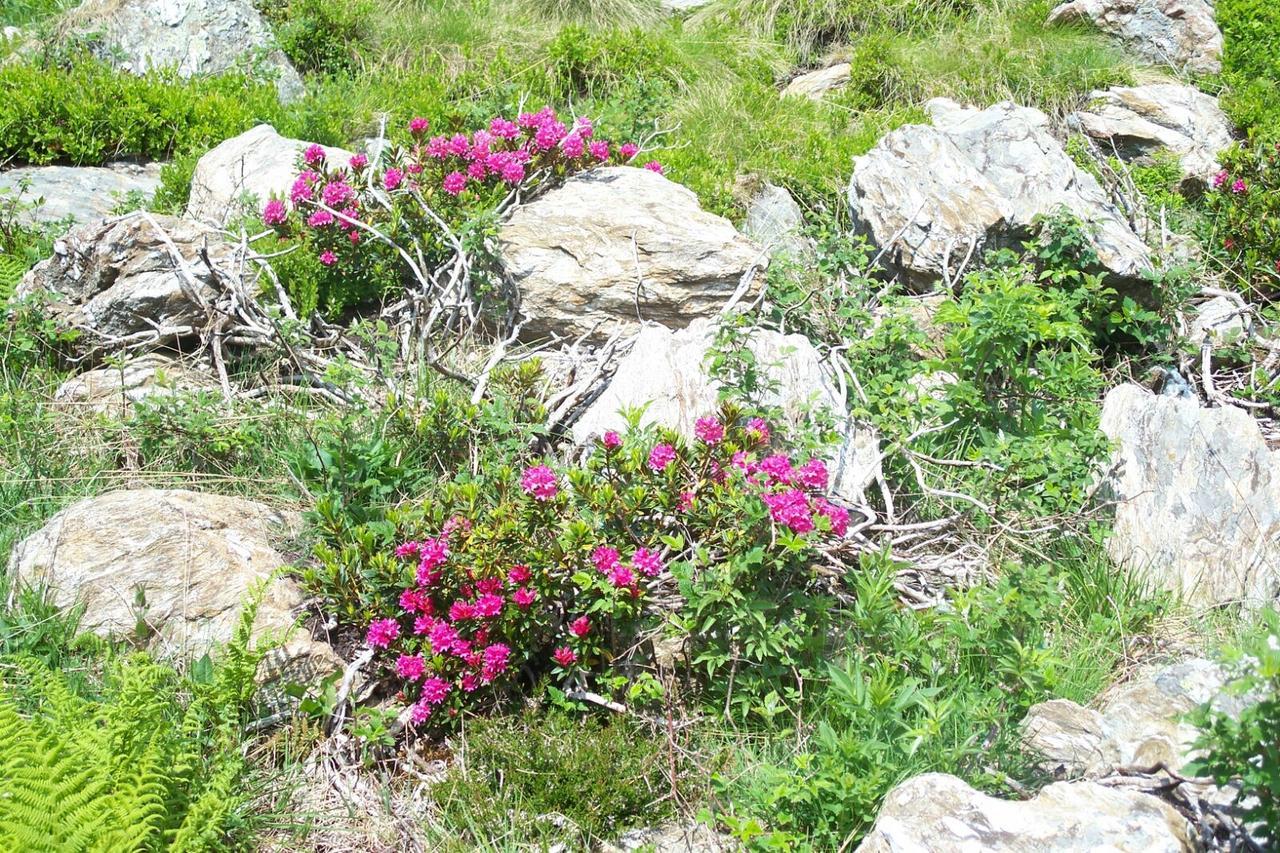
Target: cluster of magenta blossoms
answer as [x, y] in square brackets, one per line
[328, 201]
[562, 591]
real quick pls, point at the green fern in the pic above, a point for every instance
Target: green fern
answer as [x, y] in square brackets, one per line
[12, 269]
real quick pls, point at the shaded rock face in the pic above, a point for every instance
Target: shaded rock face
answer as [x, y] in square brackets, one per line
[667, 371]
[197, 37]
[194, 557]
[114, 390]
[774, 221]
[937, 812]
[78, 194]
[238, 176]
[117, 278]
[814, 84]
[1139, 725]
[1197, 497]
[618, 245]
[1137, 122]
[978, 178]
[1181, 33]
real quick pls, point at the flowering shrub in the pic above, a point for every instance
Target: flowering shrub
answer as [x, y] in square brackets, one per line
[1244, 212]
[558, 574]
[423, 194]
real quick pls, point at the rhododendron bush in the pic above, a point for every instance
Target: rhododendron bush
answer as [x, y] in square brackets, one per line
[394, 219]
[572, 574]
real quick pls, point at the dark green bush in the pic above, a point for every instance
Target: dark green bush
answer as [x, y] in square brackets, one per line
[321, 37]
[1251, 64]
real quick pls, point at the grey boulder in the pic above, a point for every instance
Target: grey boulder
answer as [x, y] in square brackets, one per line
[774, 221]
[931, 195]
[815, 84]
[78, 194]
[1181, 33]
[114, 390]
[613, 247]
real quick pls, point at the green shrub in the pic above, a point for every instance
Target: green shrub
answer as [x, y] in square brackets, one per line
[320, 37]
[1251, 65]
[1243, 218]
[1246, 747]
[545, 778]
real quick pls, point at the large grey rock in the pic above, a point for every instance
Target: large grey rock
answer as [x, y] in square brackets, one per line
[196, 37]
[193, 560]
[1219, 321]
[237, 177]
[1197, 497]
[115, 389]
[618, 245]
[980, 179]
[1181, 33]
[118, 277]
[815, 84]
[78, 194]
[937, 812]
[667, 371]
[774, 221]
[1137, 122]
[1139, 725]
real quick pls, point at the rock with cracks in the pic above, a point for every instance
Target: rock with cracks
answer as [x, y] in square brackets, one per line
[114, 390]
[136, 280]
[238, 176]
[180, 564]
[932, 196]
[1196, 495]
[616, 246]
[78, 194]
[196, 37]
[667, 372]
[937, 812]
[815, 84]
[1139, 122]
[1181, 33]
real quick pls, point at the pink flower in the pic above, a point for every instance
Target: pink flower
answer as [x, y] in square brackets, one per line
[461, 610]
[454, 183]
[540, 483]
[470, 683]
[424, 624]
[621, 576]
[777, 469]
[456, 523]
[599, 149]
[647, 563]
[435, 689]
[354, 237]
[686, 501]
[519, 574]
[488, 586]
[580, 627]
[477, 170]
[524, 596]
[661, 456]
[418, 125]
[459, 145]
[628, 150]
[274, 213]
[1239, 187]
[709, 430]
[495, 661]
[549, 134]
[565, 656]
[442, 637]
[432, 555]
[488, 606]
[438, 147]
[320, 219]
[420, 714]
[358, 161]
[742, 461]
[336, 193]
[408, 549]
[654, 166]
[301, 189]
[392, 178]
[572, 146]
[504, 129]
[313, 156]
[382, 633]
[790, 508]
[611, 440]
[813, 475]
[758, 429]
[416, 601]
[328, 258]
[410, 667]
[1220, 179]
[605, 558]
[837, 515]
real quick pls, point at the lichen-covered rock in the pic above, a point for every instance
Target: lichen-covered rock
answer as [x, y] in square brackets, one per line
[118, 278]
[78, 194]
[616, 246]
[1181, 33]
[815, 84]
[191, 559]
[937, 812]
[978, 179]
[236, 177]
[114, 390]
[1139, 121]
[667, 371]
[1196, 495]
[196, 37]
[774, 221]
[1139, 725]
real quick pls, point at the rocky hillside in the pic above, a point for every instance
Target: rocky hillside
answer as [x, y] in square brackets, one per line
[609, 425]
